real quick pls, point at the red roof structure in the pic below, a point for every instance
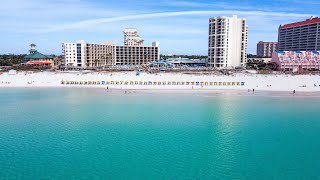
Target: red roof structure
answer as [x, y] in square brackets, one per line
[308, 21]
[38, 63]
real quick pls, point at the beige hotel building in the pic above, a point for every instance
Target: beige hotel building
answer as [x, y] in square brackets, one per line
[133, 52]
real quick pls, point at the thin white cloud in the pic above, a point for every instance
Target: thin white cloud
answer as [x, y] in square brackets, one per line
[94, 22]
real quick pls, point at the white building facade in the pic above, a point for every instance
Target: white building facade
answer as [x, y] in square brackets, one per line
[75, 53]
[228, 42]
[132, 38]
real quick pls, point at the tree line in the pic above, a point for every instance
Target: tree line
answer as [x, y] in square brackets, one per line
[10, 59]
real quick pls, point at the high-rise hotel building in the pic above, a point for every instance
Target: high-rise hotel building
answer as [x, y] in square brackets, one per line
[228, 42]
[83, 54]
[265, 49]
[132, 38]
[300, 36]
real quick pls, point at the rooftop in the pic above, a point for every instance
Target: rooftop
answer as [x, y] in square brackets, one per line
[262, 42]
[311, 20]
[38, 55]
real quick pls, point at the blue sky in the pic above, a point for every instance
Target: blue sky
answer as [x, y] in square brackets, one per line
[179, 25]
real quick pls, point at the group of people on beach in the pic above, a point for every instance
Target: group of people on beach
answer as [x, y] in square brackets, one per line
[252, 90]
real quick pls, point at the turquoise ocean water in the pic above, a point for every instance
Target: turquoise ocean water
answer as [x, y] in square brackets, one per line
[89, 134]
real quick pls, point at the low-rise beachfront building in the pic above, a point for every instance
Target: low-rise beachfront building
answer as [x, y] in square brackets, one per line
[108, 53]
[36, 58]
[188, 62]
[297, 61]
[263, 60]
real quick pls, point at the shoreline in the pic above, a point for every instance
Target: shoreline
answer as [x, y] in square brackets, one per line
[181, 92]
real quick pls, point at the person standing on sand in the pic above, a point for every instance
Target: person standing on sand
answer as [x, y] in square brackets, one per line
[294, 91]
[253, 90]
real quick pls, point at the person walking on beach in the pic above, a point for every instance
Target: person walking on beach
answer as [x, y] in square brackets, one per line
[294, 91]
[107, 88]
[253, 90]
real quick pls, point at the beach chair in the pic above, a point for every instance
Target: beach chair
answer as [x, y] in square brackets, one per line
[62, 82]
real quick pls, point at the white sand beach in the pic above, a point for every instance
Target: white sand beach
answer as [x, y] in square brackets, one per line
[121, 80]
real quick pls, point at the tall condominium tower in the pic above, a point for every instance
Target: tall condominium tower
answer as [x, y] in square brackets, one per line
[132, 38]
[228, 42]
[265, 49]
[300, 36]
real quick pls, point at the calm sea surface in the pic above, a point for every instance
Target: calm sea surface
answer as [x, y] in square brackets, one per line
[91, 134]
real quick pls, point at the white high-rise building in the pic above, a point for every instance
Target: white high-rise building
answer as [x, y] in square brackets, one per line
[132, 38]
[228, 42]
[74, 53]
